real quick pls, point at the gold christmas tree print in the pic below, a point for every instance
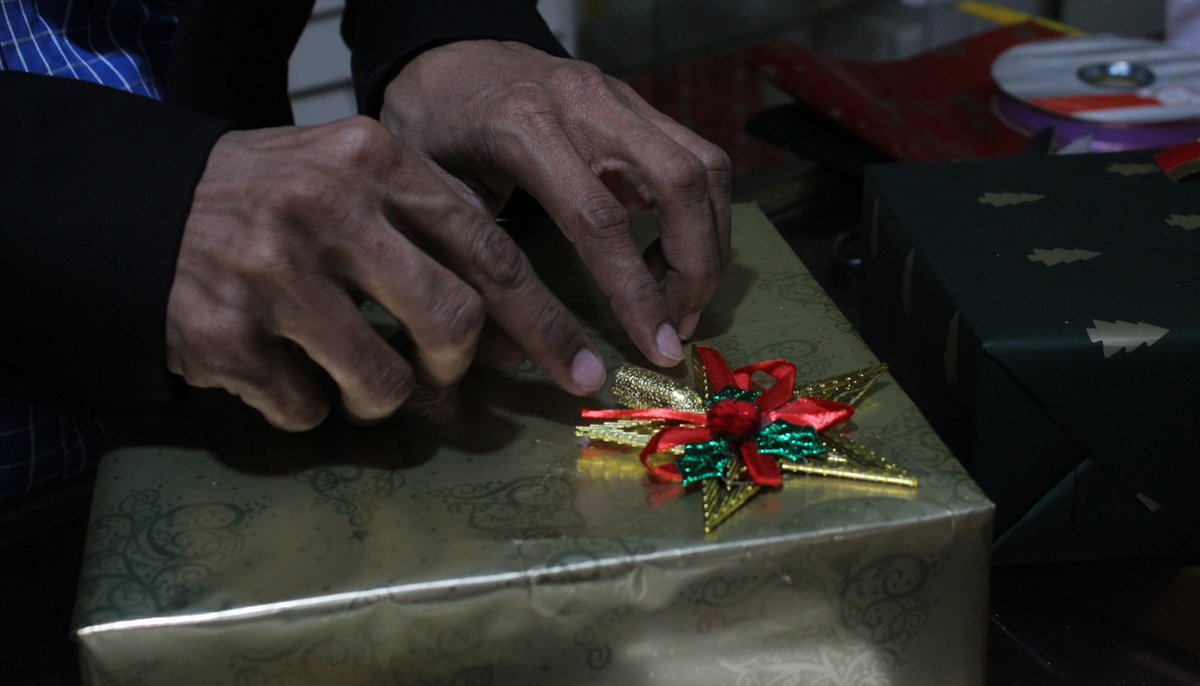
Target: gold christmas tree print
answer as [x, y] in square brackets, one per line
[1060, 255]
[1133, 169]
[1187, 222]
[1002, 199]
[1119, 335]
[733, 436]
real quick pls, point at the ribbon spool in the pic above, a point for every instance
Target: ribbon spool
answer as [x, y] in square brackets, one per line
[1123, 93]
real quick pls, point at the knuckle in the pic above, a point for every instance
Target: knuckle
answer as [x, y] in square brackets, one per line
[708, 272]
[359, 138]
[528, 105]
[389, 387]
[300, 190]
[220, 348]
[723, 257]
[635, 290]
[459, 316]
[581, 77]
[604, 220]
[497, 261]
[716, 160]
[686, 174]
[267, 260]
[302, 415]
[218, 329]
[620, 87]
[555, 327]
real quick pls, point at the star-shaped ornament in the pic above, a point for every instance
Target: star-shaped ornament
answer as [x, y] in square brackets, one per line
[733, 435]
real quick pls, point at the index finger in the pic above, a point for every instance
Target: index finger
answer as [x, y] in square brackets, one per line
[716, 162]
[694, 242]
[477, 250]
[547, 165]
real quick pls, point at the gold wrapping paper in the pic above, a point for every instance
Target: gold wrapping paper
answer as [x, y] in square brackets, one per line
[474, 541]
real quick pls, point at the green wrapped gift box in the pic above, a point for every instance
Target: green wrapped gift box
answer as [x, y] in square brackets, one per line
[473, 541]
[1044, 314]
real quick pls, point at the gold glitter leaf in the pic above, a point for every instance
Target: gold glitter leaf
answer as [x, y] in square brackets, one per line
[722, 498]
[700, 376]
[631, 432]
[640, 389]
[850, 460]
[847, 388]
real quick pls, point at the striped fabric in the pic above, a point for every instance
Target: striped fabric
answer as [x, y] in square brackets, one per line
[120, 43]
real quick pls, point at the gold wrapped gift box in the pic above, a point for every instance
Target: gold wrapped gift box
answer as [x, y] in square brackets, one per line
[474, 540]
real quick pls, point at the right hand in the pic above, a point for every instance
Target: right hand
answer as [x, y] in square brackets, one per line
[287, 223]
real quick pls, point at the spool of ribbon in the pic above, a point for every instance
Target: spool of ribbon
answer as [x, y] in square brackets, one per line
[1028, 120]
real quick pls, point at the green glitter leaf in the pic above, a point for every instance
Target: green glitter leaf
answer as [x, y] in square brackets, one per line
[788, 440]
[734, 393]
[704, 461]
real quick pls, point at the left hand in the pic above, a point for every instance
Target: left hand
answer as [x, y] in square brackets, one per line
[492, 115]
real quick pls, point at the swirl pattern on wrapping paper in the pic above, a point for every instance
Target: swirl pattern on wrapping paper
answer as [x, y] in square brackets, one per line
[811, 363]
[136, 675]
[813, 666]
[561, 552]
[732, 351]
[437, 656]
[260, 675]
[877, 608]
[802, 288]
[597, 652]
[791, 651]
[911, 439]
[436, 406]
[720, 597]
[634, 533]
[884, 602]
[719, 590]
[590, 637]
[527, 507]
[324, 661]
[145, 558]
[352, 490]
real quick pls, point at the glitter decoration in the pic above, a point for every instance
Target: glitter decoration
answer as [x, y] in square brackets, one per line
[734, 437]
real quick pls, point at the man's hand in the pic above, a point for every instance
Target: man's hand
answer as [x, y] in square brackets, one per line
[491, 115]
[288, 224]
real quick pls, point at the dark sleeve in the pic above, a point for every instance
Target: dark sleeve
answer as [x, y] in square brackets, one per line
[384, 34]
[96, 186]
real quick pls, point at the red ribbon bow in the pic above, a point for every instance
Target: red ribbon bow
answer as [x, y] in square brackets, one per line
[736, 420]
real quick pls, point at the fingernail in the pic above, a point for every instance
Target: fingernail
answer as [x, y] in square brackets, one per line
[687, 327]
[587, 371]
[668, 342]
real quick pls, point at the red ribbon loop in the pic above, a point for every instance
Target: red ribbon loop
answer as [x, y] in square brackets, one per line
[763, 468]
[668, 438]
[720, 376]
[814, 412]
[649, 413]
[717, 369]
